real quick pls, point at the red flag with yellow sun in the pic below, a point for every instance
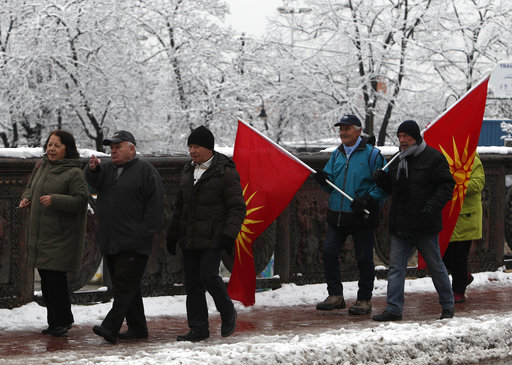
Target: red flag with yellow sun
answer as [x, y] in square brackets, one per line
[270, 176]
[455, 133]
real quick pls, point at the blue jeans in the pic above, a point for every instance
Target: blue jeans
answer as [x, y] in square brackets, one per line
[364, 240]
[401, 250]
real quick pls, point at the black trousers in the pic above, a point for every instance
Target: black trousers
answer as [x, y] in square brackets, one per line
[126, 270]
[456, 261]
[54, 285]
[201, 274]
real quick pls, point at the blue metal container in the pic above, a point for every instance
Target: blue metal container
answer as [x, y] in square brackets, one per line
[491, 132]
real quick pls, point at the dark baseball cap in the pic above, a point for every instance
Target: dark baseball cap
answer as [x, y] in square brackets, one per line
[118, 137]
[349, 119]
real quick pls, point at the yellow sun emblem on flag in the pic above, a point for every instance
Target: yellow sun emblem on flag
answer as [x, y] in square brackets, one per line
[460, 168]
[243, 239]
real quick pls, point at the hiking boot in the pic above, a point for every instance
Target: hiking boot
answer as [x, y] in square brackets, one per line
[458, 297]
[447, 313]
[331, 302]
[361, 307]
[387, 316]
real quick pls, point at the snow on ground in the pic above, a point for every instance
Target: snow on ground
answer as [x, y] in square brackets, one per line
[35, 152]
[455, 341]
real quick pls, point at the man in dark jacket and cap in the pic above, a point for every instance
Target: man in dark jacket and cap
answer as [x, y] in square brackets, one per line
[207, 217]
[420, 184]
[129, 210]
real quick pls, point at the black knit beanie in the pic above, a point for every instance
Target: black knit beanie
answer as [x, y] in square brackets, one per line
[202, 137]
[411, 128]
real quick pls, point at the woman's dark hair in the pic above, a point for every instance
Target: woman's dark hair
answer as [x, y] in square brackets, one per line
[67, 140]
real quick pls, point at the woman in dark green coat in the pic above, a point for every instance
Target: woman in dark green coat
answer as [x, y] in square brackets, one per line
[57, 197]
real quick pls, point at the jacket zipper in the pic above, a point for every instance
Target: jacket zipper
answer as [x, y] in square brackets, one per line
[342, 196]
[43, 183]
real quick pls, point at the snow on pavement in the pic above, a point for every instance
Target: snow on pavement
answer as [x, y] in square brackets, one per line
[460, 340]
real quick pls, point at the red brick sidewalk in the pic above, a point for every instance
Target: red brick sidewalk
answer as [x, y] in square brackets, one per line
[272, 321]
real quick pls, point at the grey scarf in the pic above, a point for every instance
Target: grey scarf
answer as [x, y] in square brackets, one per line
[414, 150]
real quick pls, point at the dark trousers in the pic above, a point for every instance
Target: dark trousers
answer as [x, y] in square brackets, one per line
[201, 274]
[126, 270]
[364, 239]
[456, 261]
[54, 285]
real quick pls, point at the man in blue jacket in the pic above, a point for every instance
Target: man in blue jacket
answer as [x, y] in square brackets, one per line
[350, 168]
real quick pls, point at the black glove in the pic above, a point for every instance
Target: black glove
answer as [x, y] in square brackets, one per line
[171, 245]
[227, 243]
[320, 177]
[382, 179]
[429, 210]
[360, 203]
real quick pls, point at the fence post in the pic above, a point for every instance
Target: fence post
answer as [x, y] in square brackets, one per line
[282, 253]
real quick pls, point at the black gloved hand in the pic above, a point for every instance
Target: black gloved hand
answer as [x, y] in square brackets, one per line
[381, 178]
[360, 203]
[429, 210]
[171, 245]
[320, 177]
[227, 243]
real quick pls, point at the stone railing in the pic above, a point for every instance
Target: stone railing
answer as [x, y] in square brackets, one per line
[295, 238]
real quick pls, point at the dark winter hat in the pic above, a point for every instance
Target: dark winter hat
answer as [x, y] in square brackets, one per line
[119, 137]
[411, 128]
[349, 119]
[202, 137]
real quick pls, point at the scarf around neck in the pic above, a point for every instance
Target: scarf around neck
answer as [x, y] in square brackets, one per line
[414, 150]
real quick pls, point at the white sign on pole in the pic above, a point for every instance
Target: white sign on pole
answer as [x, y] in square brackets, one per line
[500, 82]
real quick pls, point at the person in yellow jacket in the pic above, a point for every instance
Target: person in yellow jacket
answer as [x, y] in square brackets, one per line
[467, 229]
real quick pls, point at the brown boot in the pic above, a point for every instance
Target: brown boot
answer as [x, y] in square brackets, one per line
[361, 307]
[331, 302]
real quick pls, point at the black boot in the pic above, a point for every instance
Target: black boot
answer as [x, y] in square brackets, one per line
[107, 334]
[131, 334]
[228, 327]
[194, 336]
[53, 330]
[447, 313]
[387, 316]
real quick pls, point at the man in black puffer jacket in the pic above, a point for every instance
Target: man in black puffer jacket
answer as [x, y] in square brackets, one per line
[208, 214]
[420, 185]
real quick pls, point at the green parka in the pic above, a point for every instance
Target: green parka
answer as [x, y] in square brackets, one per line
[469, 223]
[55, 234]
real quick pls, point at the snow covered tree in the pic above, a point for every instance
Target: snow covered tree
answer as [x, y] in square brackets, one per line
[189, 52]
[162, 68]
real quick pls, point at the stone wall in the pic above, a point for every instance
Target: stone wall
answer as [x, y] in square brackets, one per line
[295, 238]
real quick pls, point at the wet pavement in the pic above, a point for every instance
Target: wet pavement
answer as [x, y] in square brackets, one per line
[419, 307]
